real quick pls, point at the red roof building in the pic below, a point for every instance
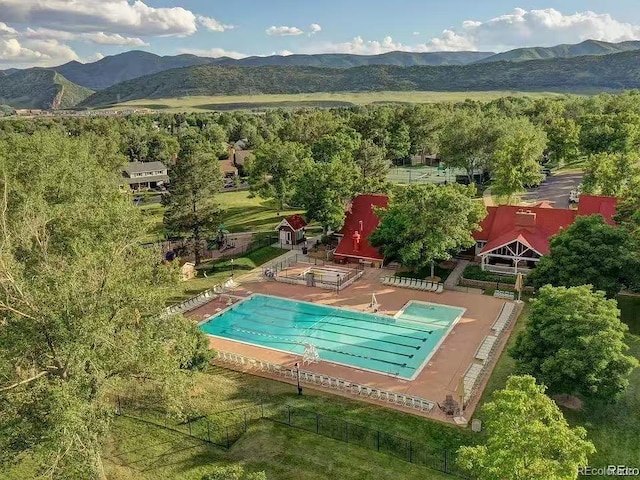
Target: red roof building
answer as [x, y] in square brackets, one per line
[291, 230]
[359, 223]
[512, 239]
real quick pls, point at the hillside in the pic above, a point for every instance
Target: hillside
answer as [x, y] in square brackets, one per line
[609, 72]
[588, 47]
[129, 65]
[124, 66]
[41, 89]
[343, 60]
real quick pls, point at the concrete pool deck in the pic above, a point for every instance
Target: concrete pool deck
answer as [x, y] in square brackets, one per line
[440, 377]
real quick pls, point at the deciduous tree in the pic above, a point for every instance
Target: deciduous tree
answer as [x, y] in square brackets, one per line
[590, 252]
[574, 343]
[424, 223]
[81, 305]
[612, 174]
[275, 168]
[517, 156]
[324, 190]
[526, 437]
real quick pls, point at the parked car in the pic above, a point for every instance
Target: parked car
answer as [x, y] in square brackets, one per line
[546, 172]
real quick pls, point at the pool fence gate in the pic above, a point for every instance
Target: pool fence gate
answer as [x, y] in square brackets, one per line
[224, 428]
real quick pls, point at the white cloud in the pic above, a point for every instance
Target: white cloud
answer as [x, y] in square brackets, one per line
[117, 16]
[99, 38]
[214, 52]
[314, 28]
[41, 53]
[359, 46]
[416, 33]
[213, 25]
[536, 28]
[283, 31]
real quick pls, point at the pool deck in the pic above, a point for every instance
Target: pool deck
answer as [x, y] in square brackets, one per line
[440, 377]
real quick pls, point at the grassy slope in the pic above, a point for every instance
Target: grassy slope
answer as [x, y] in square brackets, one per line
[281, 452]
[39, 89]
[138, 450]
[219, 102]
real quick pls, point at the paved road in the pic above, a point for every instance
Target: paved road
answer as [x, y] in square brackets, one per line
[555, 189]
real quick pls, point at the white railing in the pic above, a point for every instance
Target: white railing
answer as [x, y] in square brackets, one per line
[338, 384]
[505, 269]
[413, 283]
[201, 299]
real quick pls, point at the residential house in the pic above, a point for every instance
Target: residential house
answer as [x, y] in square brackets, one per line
[139, 175]
[291, 230]
[360, 222]
[512, 238]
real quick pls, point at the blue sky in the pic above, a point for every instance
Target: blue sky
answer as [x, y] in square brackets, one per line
[33, 32]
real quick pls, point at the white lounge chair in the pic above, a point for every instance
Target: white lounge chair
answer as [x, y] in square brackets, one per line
[440, 288]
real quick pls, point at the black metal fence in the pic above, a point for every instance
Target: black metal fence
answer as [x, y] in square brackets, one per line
[226, 427]
[442, 460]
[222, 428]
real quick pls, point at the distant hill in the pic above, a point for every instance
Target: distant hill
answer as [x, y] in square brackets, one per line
[124, 66]
[129, 65]
[344, 60]
[588, 47]
[41, 89]
[590, 73]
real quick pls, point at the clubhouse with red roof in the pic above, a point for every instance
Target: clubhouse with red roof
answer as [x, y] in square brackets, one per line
[511, 239]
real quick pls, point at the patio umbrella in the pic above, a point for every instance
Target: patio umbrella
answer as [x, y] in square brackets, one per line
[519, 284]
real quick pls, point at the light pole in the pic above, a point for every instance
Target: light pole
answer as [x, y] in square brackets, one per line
[298, 379]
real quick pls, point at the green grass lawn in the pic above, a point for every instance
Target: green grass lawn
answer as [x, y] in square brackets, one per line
[240, 213]
[219, 271]
[139, 450]
[244, 213]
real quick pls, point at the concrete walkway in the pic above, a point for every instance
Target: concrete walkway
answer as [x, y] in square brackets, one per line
[454, 277]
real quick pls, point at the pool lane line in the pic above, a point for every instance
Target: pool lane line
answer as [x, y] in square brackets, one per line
[259, 333]
[391, 322]
[286, 342]
[375, 339]
[314, 328]
[430, 332]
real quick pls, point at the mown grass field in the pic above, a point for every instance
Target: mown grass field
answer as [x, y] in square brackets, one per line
[241, 212]
[244, 102]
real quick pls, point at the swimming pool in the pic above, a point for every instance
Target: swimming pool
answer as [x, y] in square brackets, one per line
[398, 346]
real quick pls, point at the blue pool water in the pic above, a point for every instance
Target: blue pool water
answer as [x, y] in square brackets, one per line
[398, 346]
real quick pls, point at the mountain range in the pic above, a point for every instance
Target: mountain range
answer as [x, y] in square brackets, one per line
[137, 74]
[578, 74]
